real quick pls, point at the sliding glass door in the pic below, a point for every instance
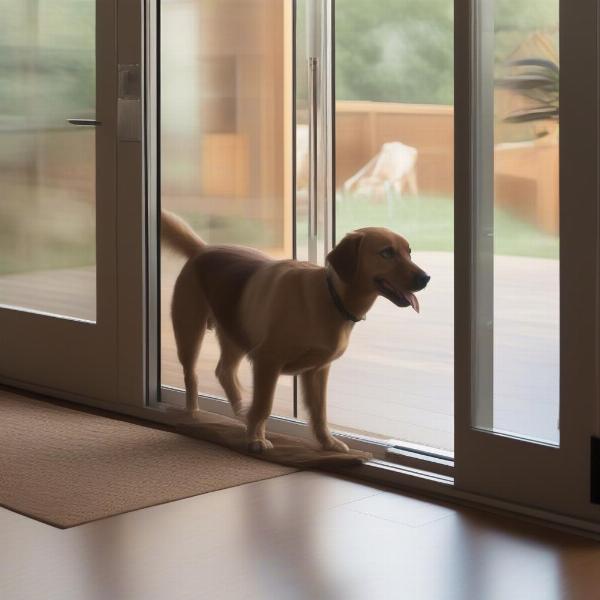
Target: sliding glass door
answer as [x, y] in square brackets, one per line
[465, 126]
[526, 215]
[57, 175]
[72, 208]
[247, 127]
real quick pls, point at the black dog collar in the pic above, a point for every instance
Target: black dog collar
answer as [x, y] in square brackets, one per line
[338, 302]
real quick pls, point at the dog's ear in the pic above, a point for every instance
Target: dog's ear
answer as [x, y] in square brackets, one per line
[344, 257]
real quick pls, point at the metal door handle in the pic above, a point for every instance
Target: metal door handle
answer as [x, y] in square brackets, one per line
[91, 122]
[314, 9]
[313, 146]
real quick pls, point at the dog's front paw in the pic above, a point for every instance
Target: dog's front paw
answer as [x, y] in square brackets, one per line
[192, 406]
[258, 446]
[192, 414]
[335, 445]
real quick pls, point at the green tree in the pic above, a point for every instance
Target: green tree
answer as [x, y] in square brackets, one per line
[394, 50]
[403, 50]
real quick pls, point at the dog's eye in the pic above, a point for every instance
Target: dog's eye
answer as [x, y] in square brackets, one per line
[387, 252]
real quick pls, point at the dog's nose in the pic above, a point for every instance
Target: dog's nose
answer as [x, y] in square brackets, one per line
[421, 280]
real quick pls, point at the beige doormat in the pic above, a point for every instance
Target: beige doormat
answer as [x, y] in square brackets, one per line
[66, 467]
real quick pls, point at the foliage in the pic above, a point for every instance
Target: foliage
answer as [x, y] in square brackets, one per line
[402, 50]
[536, 80]
[394, 51]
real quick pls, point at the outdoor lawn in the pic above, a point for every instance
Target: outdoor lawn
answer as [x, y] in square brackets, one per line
[428, 222]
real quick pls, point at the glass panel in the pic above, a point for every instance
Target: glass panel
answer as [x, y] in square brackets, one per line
[522, 85]
[225, 145]
[394, 168]
[48, 167]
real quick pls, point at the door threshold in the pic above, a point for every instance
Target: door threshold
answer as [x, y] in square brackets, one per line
[406, 455]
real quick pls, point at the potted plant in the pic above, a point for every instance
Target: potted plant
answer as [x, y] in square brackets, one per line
[536, 81]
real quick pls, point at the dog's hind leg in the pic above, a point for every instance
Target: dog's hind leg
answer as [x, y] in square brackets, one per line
[189, 313]
[226, 371]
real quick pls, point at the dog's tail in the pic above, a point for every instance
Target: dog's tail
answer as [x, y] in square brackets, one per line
[179, 236]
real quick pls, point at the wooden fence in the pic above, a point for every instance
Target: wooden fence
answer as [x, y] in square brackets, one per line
[526, 173]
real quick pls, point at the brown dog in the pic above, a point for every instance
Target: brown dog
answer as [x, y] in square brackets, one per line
[286, 316]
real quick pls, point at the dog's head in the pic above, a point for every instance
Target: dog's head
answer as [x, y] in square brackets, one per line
[375, 259]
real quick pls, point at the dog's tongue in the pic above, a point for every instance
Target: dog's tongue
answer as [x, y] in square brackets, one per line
[414, 302]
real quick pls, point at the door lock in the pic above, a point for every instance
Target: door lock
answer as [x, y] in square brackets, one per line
[129, 106]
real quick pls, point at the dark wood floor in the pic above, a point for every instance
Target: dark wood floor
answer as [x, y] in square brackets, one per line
[304, 536]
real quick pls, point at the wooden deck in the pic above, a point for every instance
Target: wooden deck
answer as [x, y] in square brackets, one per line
[396, 379]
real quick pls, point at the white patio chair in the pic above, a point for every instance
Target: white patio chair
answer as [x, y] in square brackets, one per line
[392, 168]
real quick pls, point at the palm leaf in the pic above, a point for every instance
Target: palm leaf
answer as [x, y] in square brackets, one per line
[540, 113]
[537, 79]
